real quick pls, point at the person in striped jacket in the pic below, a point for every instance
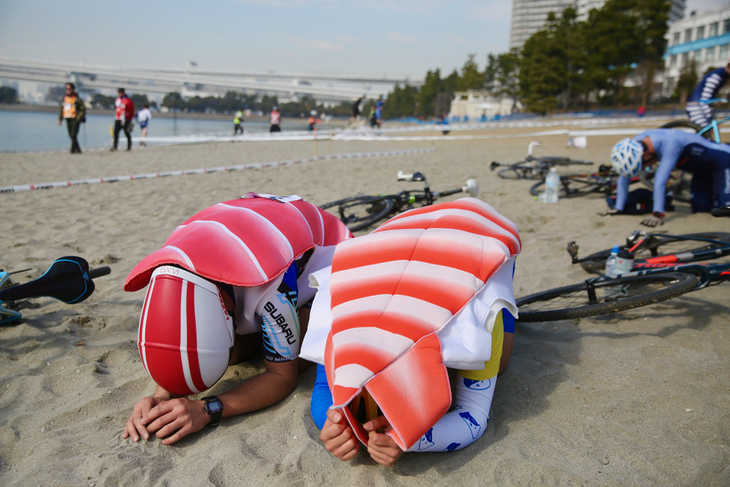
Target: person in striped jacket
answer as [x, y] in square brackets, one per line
[230, 282]
[707, 89]
[427, 292]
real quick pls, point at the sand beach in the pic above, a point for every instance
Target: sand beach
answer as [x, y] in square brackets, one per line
[637, 398]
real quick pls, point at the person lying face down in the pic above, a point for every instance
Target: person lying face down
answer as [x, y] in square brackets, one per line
[428, 290]
[229, 281]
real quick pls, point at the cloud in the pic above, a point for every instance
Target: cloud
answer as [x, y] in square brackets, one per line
[317, 44]
[401, 38]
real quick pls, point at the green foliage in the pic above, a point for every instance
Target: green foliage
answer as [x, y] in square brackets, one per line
[102, 101]
[687, 81]
[173, 101]
[402, 102]
[8, 95]
[471, 78]
[428, 94]
[139, 100]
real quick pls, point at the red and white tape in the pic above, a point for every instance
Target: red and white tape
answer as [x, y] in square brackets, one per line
[206, 170]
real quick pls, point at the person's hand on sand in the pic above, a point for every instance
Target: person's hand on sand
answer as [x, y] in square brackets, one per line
[609, 212]
[338, 437]
[135, 425]
[175, 419]
[382, 448]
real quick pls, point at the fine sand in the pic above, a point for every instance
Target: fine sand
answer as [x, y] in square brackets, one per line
[637, 398]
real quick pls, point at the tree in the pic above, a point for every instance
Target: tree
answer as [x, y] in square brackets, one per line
[471, 78]
[543, 70]
[102, 101]
[8, 95]
[687, 81]
[502, 75]
[139, 100]
[428, 94]
[173, 101]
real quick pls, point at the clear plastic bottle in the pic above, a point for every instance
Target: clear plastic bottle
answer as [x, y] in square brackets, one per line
[552, 185]
[624, 262]
[611, 262]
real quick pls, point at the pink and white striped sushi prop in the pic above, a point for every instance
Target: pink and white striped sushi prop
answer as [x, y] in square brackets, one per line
[247, 243]
[417, 295]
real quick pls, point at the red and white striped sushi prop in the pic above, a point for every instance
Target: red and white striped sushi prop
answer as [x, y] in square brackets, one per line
[247, 243]
[395, 294]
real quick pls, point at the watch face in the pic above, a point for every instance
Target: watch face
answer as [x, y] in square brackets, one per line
[215, 406]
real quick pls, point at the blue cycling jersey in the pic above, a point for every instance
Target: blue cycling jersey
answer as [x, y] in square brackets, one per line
[689, 152]
[710, 85]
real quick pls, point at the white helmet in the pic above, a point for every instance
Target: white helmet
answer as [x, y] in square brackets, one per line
[185, 332]
[626, 157]
[313, 113]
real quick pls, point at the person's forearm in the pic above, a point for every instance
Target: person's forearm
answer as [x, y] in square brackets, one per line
[622, 191]
[257, 393]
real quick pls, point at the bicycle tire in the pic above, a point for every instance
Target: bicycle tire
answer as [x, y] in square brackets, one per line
[572, 302]
[99, 271]
[679, 185]
[343, 201]
[574, 186]
[365, 211]
[596, 262]
[678, 124]
[523, 170]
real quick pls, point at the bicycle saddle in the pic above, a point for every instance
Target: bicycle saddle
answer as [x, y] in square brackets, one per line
[67, 280]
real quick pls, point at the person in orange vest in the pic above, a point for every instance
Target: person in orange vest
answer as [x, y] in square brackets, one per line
[275, 120]
[312, 121]
[73, 110]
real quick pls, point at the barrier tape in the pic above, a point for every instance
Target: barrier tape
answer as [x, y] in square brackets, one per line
[207, 170]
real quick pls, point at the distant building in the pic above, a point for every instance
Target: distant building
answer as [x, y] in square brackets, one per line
[703, 37]
[476, 104]
[529, 16]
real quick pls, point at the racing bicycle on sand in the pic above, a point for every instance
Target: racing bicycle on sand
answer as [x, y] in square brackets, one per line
[360, 212]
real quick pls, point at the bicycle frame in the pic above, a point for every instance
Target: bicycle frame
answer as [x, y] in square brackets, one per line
[714, 124]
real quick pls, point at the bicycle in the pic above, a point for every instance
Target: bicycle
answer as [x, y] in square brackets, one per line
[679, 183]
[711, 131]
[362, 211]
[659, 248]
[648, 282]
[533, 167]
[574, 185]
[68, 279]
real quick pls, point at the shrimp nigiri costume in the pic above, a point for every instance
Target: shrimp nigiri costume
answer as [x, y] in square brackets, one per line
[421, 293]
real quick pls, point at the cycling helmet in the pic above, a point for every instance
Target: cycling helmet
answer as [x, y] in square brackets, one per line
[313, 113]
[626, 157]
[185, 332]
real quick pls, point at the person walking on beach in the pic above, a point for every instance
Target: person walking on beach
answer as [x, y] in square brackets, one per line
[384, 335]
[379, 111]
[275, 120]
[356, 113]
[73, 110]
[230, 283]
[312, 121]
[143, 117]
[123, 115]
[237, 120]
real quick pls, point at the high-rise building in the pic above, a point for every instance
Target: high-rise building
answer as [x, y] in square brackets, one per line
[529, 16]
[703, 37]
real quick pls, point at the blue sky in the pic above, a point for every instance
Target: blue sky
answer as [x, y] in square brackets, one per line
[367, 37]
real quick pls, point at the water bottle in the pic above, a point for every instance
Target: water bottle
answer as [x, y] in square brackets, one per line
[624, 262]
[611, 262]
[552, 184]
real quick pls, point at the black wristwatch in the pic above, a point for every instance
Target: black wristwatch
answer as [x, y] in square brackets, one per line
[214, 407]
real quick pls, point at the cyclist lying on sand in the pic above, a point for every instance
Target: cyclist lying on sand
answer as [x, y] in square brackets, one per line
[429, 289]
[708, 162]
[233, 278]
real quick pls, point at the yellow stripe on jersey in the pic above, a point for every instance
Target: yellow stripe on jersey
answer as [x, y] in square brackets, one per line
[491, 368]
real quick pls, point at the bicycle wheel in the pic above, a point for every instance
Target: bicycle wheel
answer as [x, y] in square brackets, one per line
[661, 246]
[679, 183]
[364, 211]
[687, 126]
[523, 170]
[610, 296]
[574, 186]
[342, 201]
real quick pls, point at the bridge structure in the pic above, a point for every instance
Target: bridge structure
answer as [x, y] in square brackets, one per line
[193, 81]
